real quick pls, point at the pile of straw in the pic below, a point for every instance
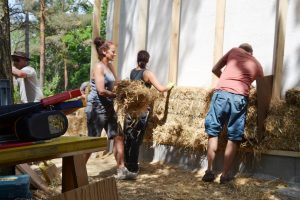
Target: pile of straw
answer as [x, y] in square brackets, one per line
[292, 96]
[133, 97]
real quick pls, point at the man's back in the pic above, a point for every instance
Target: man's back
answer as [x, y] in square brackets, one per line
[240, 71]
[29, 87]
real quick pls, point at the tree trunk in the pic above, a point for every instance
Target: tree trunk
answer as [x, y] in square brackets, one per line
[42, 42]
[5, 64]
[66, 74]
[27, 33]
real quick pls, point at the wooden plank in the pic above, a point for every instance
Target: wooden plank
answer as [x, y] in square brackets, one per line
[295, 154]
[55, 148]
[219, 35]
[174, 43]
[115, 31]
[264, 93]
[105, 189]
[35, 179]
[282, 8]
[95, 32]
[74, 173]
[143, 24]
[283, 153]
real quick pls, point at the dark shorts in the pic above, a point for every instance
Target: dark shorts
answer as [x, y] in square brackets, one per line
[99, 118]
[226, 107]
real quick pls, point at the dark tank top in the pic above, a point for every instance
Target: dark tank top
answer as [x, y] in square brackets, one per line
[138, 75]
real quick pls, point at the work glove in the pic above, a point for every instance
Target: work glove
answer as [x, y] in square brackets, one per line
[170, 85]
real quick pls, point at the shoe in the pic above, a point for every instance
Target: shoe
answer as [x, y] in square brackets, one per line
[209, 176]
[225, 179]
[124, 174]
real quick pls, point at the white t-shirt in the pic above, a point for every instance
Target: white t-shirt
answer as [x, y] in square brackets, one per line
[30, 90]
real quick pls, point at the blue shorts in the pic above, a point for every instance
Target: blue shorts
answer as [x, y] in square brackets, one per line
[226, 107]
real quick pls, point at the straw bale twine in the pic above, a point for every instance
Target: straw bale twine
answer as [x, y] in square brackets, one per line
[292, 96]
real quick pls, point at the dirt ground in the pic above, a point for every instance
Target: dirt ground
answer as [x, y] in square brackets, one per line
[164, 182]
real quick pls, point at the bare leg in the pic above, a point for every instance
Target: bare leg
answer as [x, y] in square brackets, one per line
[119, 150]
[211, 152]
[230, 152]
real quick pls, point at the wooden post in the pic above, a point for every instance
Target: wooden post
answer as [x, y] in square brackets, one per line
[264, 93]
[74, 172]
[115, 33]
[95, 32]
[143, 22]
[219, 35]
[282, 8]
[174, 46]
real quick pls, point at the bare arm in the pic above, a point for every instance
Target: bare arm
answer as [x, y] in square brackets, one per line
[99, 80]
[150, 77]
[220, 64]
[18, 73]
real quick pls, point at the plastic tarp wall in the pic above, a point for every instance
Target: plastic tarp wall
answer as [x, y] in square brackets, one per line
[128, 37]
[197, 34]
[158, 40]
[291, 66]
[252, 22]
[245, 21]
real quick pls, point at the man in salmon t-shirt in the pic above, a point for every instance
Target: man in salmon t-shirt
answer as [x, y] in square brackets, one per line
[229, 105]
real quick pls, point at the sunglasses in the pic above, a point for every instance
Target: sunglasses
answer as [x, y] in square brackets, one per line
[16, 59]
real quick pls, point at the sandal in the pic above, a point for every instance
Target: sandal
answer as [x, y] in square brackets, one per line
[209, 176]
[224, 179]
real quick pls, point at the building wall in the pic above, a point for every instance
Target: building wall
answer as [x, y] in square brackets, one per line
[158, 38]
[252, 22]
[245, 21]
[291, 66]
[196, 43]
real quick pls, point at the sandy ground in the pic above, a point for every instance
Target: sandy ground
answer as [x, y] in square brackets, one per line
[164, 182]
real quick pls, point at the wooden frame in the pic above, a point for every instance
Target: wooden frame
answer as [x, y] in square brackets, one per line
[115, 31]
[281, 19]
[95, 32]
[71, 149]
[143, 24]
[174, 43]
[219, 35]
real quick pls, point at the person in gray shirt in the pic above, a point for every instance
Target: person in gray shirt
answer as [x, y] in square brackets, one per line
[26, 78]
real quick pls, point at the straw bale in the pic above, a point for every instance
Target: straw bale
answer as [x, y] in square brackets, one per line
[178, 119]
[133, 97]
[282, 128]
[77, 123]
[292, 96]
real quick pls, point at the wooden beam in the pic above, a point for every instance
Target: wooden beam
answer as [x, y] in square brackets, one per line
[264, 93]
[95, 32]
[143, 23]
[282, 8]
[174, 46]
[115, 31]
[219, 35]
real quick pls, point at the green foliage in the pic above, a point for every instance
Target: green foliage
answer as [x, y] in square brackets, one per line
[52, 86]
[103, 22]
[16, 95]
[68, 40]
